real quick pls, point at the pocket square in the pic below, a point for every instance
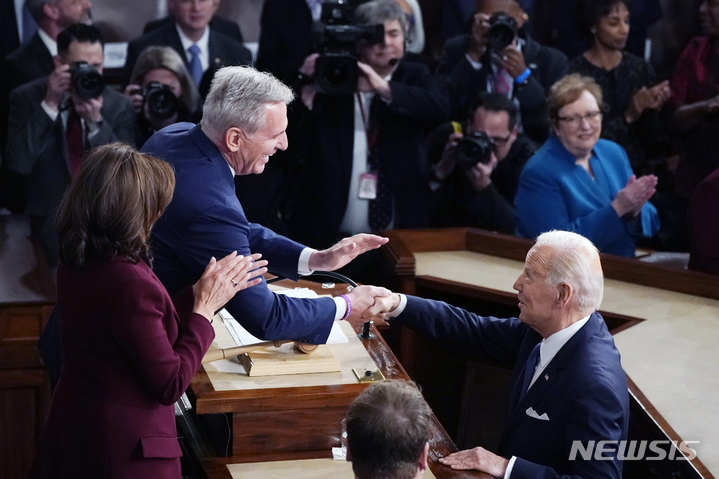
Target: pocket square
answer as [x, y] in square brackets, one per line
[532, 413]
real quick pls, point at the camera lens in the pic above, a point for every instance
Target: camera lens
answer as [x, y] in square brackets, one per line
[502, 31]
[87, 81]
[160, 100]
[473, 148]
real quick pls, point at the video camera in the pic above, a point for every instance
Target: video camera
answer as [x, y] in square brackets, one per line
[473, 148]
[86, 80]
[336, 67]
[502, 31]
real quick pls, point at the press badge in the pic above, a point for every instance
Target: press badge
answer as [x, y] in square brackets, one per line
[367, 186]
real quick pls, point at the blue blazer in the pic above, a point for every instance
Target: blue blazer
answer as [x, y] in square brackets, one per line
[583, 390]
[556, 193]
[205, 219]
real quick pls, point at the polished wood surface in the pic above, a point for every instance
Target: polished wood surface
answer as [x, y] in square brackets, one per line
[623, 271]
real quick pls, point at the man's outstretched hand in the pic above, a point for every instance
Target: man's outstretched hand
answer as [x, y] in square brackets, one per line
[344, 251]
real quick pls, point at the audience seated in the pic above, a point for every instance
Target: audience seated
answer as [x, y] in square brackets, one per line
[222, 25]
[367, 169]
[480, 194]
[522, 71]
[31, 61]
[388, 431]
[704, 225]
[695, 103]
[577, 182]
[627, 81]
[203, 49]
[51, 125]
[155, 69]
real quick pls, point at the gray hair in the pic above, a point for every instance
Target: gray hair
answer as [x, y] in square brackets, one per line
[379, 12]
[572, 264]
[236, 99]
[35, 7]
[388, 425]
[156, 57]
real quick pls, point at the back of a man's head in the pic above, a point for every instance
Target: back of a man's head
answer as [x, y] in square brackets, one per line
[236, 99]
[388, 426]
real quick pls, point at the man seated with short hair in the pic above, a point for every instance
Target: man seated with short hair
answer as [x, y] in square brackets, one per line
[475, 173]
[388, 430]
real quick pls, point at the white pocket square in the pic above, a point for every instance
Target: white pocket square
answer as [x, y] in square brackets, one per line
[532, 413]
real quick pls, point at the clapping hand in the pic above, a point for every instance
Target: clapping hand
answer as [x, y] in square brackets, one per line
[647, 98]
[630, 199]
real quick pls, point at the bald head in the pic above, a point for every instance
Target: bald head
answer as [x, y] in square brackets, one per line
[510, 7]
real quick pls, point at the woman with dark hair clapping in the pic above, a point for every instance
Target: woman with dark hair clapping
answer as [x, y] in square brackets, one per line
[129, 350]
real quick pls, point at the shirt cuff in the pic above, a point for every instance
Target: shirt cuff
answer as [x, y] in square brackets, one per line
[50, 112]
[402, 304]
[508, 472]
[341, 305]
[475, 65]
[303, 268]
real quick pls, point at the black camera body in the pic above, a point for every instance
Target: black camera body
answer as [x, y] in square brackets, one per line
[503, 30]
[336, 69]
[160, 100]
[473, 148]
[86, 80]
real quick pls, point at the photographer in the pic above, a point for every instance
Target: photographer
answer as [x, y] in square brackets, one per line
[54, 120]
[162, 92]
[516, 66]
[365, 168]
[475, 174]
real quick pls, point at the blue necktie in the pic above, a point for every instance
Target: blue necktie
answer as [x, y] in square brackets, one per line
[529, 367]
[195, 64]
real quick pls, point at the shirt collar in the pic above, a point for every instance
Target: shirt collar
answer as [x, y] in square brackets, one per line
[550, 346]
[203, 42]
[49, 42]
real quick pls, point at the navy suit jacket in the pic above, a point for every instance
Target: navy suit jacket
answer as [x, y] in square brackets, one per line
[583, 390]
[205, 219]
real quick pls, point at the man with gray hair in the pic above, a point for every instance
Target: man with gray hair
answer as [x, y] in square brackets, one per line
[568, 386]
[388, 430]
[243, 125]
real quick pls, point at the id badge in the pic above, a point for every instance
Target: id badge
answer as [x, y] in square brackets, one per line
[367, 186]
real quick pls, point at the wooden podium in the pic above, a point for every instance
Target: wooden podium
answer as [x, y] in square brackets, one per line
[665, 323]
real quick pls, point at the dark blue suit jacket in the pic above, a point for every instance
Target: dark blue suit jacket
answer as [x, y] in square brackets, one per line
[206, 219]
[583, 390]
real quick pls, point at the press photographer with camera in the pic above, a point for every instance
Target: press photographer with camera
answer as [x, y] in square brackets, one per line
[476, 167]
[55, 119]
[499, 57]
[162, 92]
[365, 165]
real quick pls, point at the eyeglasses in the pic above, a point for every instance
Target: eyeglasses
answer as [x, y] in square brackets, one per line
[499, 142]
[592, 117]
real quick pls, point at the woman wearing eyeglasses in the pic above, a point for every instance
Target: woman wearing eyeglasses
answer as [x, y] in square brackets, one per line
[578, 182]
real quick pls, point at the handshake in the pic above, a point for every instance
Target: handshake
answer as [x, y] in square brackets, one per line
[370, 303]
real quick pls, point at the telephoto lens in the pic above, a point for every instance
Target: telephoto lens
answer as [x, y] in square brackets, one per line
[86, 80]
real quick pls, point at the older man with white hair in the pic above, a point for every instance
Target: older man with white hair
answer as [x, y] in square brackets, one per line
[569, 390]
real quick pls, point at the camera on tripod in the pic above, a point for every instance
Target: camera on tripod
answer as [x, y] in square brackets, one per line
[86, 80]
[502, 31]
[473, 148]
[336, 69]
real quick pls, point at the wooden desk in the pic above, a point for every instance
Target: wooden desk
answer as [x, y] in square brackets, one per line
[301, 422]
[665, 322]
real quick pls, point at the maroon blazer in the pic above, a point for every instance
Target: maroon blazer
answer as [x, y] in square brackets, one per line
[129, 354]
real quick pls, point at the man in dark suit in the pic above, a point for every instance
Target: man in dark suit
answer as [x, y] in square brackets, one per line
[367, 167]
[222, 25]
[243, 125]
[523, 71]
[51, 125]
[203, 49]
[568, 384]
[31, 61]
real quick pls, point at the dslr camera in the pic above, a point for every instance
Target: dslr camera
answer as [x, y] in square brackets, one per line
[473, 148]
[86, 80]
[502, 31]
[160, 100]
[336, 69]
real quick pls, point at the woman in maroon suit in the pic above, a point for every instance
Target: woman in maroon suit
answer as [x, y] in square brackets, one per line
[129, 350]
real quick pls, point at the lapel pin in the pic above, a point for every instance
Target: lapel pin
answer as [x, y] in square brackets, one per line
[546, 377]
[217, 60]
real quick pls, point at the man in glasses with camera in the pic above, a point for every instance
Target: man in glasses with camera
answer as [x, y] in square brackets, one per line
[54, 120]
[499, 57]
[476, 167]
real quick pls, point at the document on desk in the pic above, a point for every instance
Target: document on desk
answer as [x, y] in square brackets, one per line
[244, 338]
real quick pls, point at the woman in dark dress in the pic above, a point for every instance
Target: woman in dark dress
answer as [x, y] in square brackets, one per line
[129, 350]
[630, 100]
